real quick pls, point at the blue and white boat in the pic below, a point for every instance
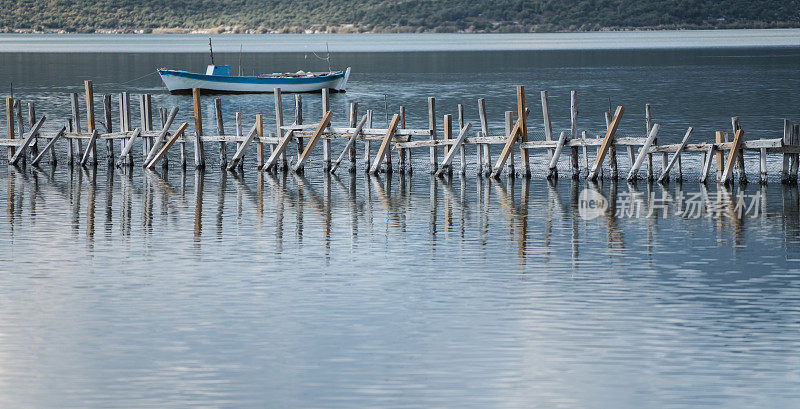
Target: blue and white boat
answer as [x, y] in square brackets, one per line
[218, 79]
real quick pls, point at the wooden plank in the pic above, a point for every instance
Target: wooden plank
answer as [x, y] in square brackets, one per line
[278, 124]
[89, 148]
[508, 149]
[648, 114]
[612, 151]
[159, 140]
[509, 125]
[522, 117]
[608, 141]
[720, 155]
[432, 128]
[164, 149]
[709, 159]
[447, 124]
[448, 159]
[259, 143]
[367, 145]
[49, 146]
[633, 174]
[462, 151]
[351, 150]
[238, 157]
[89, 88]
[20, 153]
[280, 149]
[486, 153]
[376, 164]
[34, 148]
[727, 174]
[739, 163]
[109, 128]
[126, 148]
[223, 148]
[787, 140]
[326, 120]
[553, 165]
[350, 143]
[665, 172]
[199, 153]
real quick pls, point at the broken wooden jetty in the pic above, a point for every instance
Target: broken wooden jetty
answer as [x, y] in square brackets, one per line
[290, 147]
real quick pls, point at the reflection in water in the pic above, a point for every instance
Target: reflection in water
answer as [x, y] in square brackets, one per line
[300, 255]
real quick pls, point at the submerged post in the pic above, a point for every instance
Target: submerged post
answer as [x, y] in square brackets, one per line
[223, 149]
[109, 129]
[351, 150]
[522, 118]
[573, 116]
[432, 129]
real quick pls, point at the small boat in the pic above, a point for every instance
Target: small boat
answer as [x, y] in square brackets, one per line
[218, 79]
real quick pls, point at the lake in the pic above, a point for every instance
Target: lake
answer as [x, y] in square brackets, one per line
[130, 288]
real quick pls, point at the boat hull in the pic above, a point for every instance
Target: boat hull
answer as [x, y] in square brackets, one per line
[182, 82]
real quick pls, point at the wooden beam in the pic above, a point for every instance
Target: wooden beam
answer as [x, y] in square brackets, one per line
[238, 157]
[164, 149]
[350, 142]
[49, 146]
[608, 141]
[432, 130]
[553, 166]
[376, 164]
[280, 149]
[720, 155]
[733, 156]
[675, 157]
[709, 159]
[159, 140]
[20, 153]
[89, 148]
[89, 88]
[787, 140]
[259, 143]
[10, 126]
[126, 149]
[448, 159]
[573, 118]
[633, 174]
[223, 148]
[507, 149]
[326, 143]
[326, 120]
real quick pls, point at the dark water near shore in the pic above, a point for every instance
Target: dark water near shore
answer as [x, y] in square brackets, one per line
[215, 289]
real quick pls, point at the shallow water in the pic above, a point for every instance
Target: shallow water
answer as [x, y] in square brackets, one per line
[215, 289]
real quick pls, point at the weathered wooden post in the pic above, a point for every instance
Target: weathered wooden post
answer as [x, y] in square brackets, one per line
[351, 150]
[787, 140]
[238, 120]
[522, 117]
[278, 124]
[199, 155]
[648, 123]
[548, 125]
[509, 125]
[326, 143]
[573, 110]
[90, 122]
[796, 156]
[612, 152]
[109, 128]
[259, 145]
[367, 144]
[432, 129]
[223, 148]
[448, 134]
[720, 138]
[402, 160]
[70, 147]
[34, 148]
[10, 126]
[608, 142]
[76, 122]
[298, 120]
[487, 156]
[739, 166]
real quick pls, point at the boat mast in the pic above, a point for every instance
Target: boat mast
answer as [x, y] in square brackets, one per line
[210, 51]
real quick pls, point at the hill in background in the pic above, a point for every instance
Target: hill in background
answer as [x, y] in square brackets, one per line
[292, 16]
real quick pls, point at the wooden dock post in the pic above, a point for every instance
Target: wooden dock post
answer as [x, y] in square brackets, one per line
[326, 143]
[762, 168]
[462, 150]
[161, 138]
[260, 144]
[238, 157]
[648, 123]
[573, 116]
[787, 140]
[448, 158]
[298, 120]
[109, 128]
[709, 159]
[720, 138]
[522, 117]
[405, 152]
[612, 151]
[90, 122]
[199, 154]
[487, 154]
[351, 144]
[739, 164]
[608, 142]
[76, 122]
[50, 147]
[70, 146]
[432, 128]
[448, 134]
[223, 148]
[352, 141]
[162, 153]
[278, 127]
[10, 127]
[548, 125]
[553, 165]
[240, 160]
[795, 156]
[146, 114]
[28, 139]
[34, 148]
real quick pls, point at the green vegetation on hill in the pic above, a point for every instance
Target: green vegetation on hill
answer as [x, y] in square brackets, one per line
[393, 15]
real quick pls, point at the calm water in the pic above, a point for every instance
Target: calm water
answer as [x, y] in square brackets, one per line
[213, 289]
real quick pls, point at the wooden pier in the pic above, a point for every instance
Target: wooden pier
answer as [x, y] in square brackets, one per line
[588, 156]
